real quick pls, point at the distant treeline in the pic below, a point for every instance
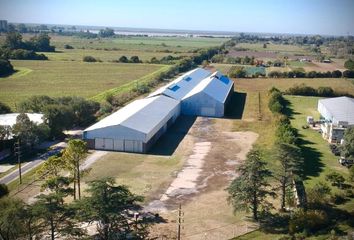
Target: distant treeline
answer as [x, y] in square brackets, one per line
[304, 90]
[311, 74]
[15, 48]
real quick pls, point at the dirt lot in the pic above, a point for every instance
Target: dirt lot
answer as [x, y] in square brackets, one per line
[200, 185]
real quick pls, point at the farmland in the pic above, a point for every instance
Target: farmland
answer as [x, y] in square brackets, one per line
[61, 78]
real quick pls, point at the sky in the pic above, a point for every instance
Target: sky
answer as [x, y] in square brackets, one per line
[327, 17]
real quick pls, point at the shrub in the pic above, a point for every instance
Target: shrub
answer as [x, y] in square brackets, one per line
[3, 190]
[338, 198]
[89, 59]
[237, 72]
[275, 74]
[123, 59]
[318, 194]
[349, 64]
[4, 108]
[336, 74]
[6, 67]
[335, 179]
[325, 92]
[134, 59]
[67, 46]
[22, 54]
[348, 74]
[310, 221]
[301, 90]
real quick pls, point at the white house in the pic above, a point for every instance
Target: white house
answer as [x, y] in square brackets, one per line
[337, 114]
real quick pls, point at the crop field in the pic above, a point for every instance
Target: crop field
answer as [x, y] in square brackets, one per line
[60, 78]
[104, 55]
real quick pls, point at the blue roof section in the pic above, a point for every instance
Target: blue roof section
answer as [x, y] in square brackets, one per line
[174, 88]
[225, 80]
[188, 78]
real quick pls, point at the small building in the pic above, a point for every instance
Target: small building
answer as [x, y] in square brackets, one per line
[337, 114]
[135, 127]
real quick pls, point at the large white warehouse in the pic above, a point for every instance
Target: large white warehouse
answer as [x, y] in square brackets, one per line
[138, 125]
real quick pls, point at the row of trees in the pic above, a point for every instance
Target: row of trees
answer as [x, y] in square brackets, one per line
[106, 205]
[63, 112]
[311, 74]
[304, 90]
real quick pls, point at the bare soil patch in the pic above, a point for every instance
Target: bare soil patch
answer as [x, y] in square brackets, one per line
[200, 185]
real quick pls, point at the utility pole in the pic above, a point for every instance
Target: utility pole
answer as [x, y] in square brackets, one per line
[179, 222]
[18, 153]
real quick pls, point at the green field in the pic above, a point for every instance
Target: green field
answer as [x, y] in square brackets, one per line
[111, 55]
[274, 48]
[63, 78]
[154, 44]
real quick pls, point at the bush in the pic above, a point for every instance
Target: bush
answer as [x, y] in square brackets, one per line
[325, 92]
[135, 59]
[310, 221]
[338, 198]
[336, 74]
[335, 179]
[276, 102]
[123, 59]
[89, 59]
[237, 72]
[301, 90]
[22, 54]
[349, 64]
[348, 74]
[319, 194]
[4, 108]
[275, 74]
[3, 190]
[67, 46]
[6, 67]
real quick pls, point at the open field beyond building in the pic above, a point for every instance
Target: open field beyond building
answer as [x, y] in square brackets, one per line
[58, 78]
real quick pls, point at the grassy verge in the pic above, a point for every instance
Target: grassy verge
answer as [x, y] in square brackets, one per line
[130, 85]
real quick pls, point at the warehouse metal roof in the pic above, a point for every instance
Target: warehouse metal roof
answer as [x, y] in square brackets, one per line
[180, 87]
[142, 115]
[217, 86]
[341, 108]
[9, 119]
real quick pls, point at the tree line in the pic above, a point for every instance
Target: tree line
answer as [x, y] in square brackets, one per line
[256, 184]
[111, 208]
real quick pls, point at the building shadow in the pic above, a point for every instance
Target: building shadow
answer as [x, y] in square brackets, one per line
[235, 106]
[169, 141]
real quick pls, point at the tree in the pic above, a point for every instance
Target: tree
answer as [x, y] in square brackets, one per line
[40, 43]
[349, 64]
[335, 179]
[264, 45]
[4, 190]
[4, 108]
[290, 159]
[57, 218]
[59, 118]
[348, 146]
[134, 59]
[73, 155]
[26, 130]
[13, 40]
[50, 171]
[108, 205]
[22, 28]
[123, 59]
[89, 59]
[250, 189]
[348, 74]
[108, 32]
[318, 194]
[6, 68]
[11, 224]
[336, 74]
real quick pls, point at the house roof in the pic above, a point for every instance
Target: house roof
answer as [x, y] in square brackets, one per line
[180, 87]
[216, 86]
[142, 115]
[341, 108]
[9, 119]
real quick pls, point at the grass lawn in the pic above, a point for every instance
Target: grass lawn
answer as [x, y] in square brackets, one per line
[319, 161]
[144, 174]
[63, 78]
